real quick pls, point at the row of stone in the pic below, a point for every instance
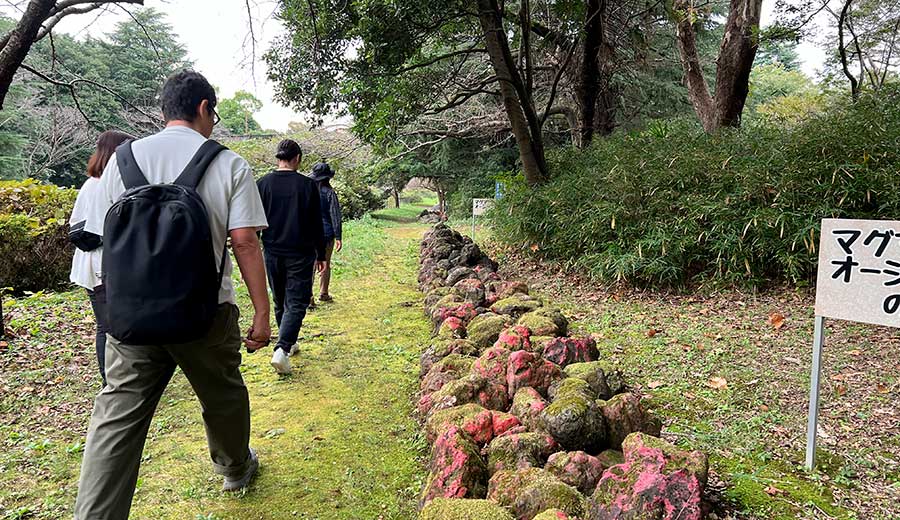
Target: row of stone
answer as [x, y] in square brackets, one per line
[524, 421]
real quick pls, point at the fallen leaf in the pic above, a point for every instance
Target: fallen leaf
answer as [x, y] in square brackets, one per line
[763, 408]
[535, 248]
[840, 389]
[772, 491]
[652, 333]
[776, 320]
[883, 388]
[718, 383]
[4, 344]
[655, 384]
[854, 352]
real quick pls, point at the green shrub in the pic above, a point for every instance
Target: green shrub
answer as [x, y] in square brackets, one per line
[672, 204]
[34, 245]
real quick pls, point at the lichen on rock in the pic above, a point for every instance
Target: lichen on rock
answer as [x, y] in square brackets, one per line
[485, 329]
[531, 491]
[518, 451]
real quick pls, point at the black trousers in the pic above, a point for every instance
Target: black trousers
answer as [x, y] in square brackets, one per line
[98, 304]
[291, 281]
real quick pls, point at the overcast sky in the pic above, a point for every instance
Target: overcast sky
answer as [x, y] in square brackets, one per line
[216, 32]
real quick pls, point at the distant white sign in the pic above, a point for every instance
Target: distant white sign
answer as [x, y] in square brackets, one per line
[859, 271]
[481, 206]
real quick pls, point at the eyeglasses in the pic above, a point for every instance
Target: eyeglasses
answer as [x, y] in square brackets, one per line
[216, 117]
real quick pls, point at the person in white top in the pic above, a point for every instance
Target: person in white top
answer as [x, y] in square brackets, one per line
[137, 375]
[87, 262]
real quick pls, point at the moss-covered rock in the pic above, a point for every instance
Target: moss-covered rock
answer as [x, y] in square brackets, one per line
[610, 458]
[500, 290]
[473, 419]
[452, 328]
[471, 290]
[434, 296]
[439, 349]
[657, 481]
[595, 375]
[518, 451]
[553, 514]
[626, 414]
[526, 369]
[546, 321]
[463, 509]
[574, 419]
[570, 384]
[492, 364]
[452, 367]
[577, 469]
[485, 329]
[469, 389]
[531, 491]
[456, 470]
[516, 305]
[515, 338]
[566, 351]
[527, 406]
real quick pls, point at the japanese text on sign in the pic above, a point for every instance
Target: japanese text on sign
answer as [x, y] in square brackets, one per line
[859, 271]
[481, 206]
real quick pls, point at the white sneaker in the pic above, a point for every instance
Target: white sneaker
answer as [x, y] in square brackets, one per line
[280, 362]
[295, 350]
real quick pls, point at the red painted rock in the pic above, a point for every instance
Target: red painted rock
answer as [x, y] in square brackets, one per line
[577, 469]
[492, 364]
[526, 369]
[505, 423]
[473, 419]
[574, 418]
[485, 329]
[452, 328]
[465, 312]
[531, 491]
[515, 338]
[565, 351]
[440, 349]
[518, 451]
[451, 367]
[657, 481]
[527, 406]
[546, 321]
[456, 469]
[470, 389]
[625, 414]
[471, 290]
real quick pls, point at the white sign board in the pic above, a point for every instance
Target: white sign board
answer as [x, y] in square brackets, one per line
[859, 271]
[481, 206]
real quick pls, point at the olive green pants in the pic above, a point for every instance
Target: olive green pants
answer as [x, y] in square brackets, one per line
[136, 378]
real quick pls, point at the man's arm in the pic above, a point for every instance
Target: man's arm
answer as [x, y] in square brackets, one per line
[249, 258]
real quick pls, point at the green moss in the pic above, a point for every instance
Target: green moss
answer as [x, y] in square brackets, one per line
[484, 329]
[551, 514]
[456, 363]
[461, 509]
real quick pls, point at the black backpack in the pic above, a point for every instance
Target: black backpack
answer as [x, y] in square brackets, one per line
[159, 267]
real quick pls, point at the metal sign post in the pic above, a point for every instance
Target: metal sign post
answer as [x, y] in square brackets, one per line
[858, 280]
[480, 207]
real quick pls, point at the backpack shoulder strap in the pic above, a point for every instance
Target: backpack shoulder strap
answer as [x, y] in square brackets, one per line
[195, 170]
[132, 176]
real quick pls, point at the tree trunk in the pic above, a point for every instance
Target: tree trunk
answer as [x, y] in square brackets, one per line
[842, 50]
[736, 55]
[735, 61]
[525, 124]
[589, 71]
[397, 198]
[20, 41]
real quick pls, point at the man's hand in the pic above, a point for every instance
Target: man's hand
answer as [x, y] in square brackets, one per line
[320, 266]
[338, 245]
[260, 334]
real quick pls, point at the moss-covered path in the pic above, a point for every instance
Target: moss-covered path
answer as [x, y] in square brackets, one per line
[336, 440]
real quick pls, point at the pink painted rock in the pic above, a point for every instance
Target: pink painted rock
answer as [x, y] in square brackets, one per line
[565, 351]
[546, 321]
[452, 328]
[625, 414]
[440, 349]
[457, 469]
[574, 418]
[577, 469]
[518, 451]
[471, 290]
[515, 338]
[480, 424]
[526, 369]
[465, 312]
[505, 423]
[657, 481]
[469, 389]
[527, 406]
[530, 491]
[492, 364]
[448, 369]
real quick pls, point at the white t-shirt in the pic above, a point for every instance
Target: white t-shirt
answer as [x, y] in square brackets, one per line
[228, 189]
[86, 266]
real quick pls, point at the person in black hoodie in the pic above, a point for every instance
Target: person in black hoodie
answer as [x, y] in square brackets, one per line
[294, 246]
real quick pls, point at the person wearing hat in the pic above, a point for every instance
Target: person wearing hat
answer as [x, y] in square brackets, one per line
[294, 246]
[331, 222]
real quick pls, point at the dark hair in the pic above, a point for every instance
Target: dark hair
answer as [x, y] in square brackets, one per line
[106, 147]
[183, 93]
[288, 150]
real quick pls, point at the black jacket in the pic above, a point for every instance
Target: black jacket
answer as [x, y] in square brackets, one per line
[294, 212]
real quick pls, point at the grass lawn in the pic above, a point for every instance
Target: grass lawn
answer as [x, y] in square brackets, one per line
[336, 440]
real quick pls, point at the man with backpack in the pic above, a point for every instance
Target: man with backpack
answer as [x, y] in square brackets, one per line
[167, 205]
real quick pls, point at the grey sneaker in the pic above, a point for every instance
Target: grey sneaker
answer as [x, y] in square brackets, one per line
[233, 484]
[295, 349]
[281, 362]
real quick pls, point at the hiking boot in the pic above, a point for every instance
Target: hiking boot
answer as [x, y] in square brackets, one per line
[325, 298]
[294, 350]
[280, 362]
[233, 484]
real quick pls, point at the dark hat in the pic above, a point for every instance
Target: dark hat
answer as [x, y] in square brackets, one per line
[321, 172]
